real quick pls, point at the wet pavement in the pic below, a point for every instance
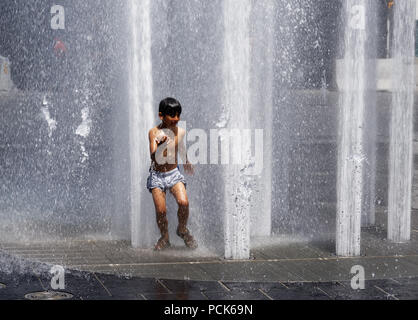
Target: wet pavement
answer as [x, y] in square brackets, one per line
[113, 270]
[98, 286]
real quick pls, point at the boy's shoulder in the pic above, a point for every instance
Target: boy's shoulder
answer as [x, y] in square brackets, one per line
[154, 129]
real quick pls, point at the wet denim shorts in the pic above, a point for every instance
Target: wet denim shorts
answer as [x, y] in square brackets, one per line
[164, 180]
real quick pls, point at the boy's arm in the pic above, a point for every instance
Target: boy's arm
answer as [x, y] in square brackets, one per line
[152, 144]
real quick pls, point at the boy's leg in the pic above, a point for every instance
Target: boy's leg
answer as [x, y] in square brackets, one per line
[159, 198]
[179, 192]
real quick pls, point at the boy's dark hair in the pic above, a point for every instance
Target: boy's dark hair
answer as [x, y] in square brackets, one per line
[170, 106]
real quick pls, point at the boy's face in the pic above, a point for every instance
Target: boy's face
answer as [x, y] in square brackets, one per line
[170, 120]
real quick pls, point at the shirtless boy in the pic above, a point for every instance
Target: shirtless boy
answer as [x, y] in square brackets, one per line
[165, 141]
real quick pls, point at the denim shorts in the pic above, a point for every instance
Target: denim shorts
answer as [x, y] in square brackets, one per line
[164, 180]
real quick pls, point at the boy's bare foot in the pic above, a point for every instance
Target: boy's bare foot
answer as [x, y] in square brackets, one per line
[189, 241]
[163, 243]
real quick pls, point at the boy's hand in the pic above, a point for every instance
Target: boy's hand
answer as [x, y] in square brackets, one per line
[161, 139]
[188, 169]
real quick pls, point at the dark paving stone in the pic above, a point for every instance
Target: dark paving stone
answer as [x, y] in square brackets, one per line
[80, 285]
[300, 291]
[84, 286]
[329, 287]
[131, 287]
[193, 295]
[251, 286]
[18, 285]
[241, 289]
[176, 286]
[403, 289]
[236, 295]
[343, 291]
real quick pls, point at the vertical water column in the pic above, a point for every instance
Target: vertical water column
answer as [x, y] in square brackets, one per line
[140, 117]
[350, 141]
[370, 130]
[401, 127]
[262, 64]
[237, 56]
